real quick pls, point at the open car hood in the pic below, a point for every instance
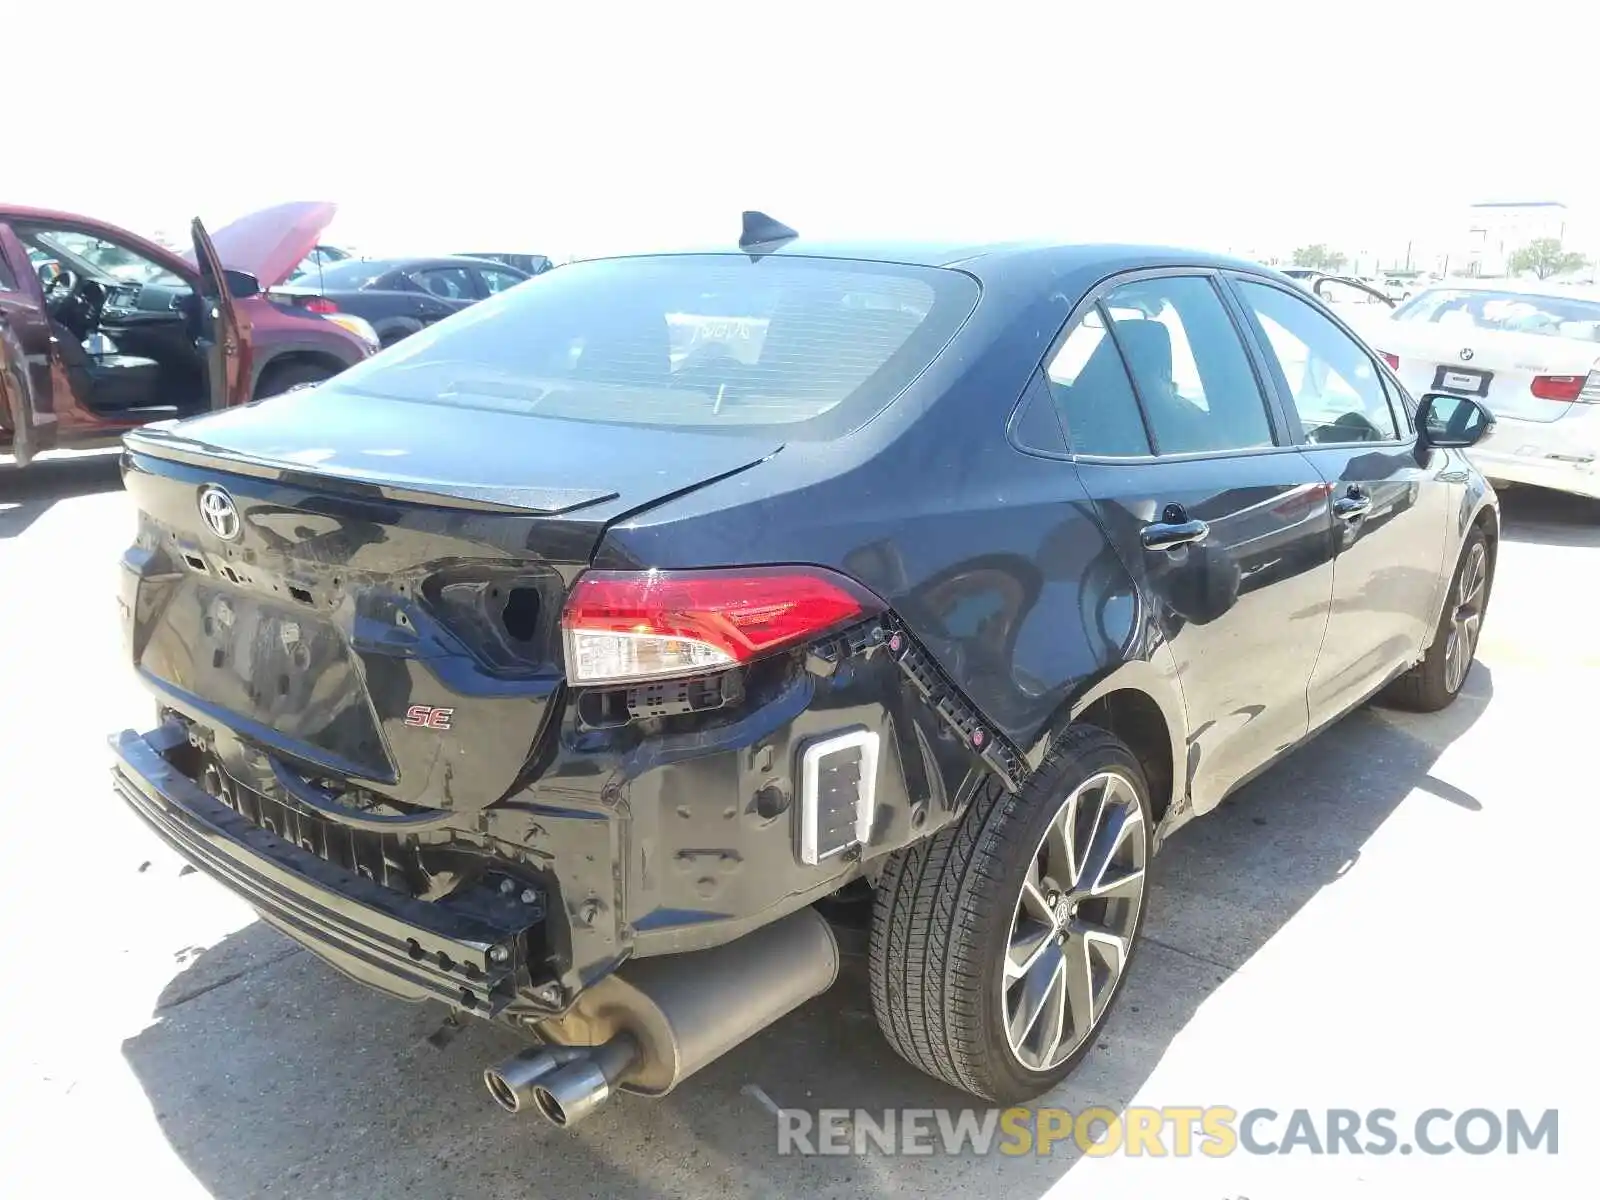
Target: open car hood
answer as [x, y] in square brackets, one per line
[271, 243]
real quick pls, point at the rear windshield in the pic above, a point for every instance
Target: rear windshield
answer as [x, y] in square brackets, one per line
[706, 342]
[1552, 316]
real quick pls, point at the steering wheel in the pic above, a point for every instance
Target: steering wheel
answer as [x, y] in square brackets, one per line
[63, 286]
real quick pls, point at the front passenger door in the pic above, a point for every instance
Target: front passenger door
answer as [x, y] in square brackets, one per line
[1391, 512]
[224, 335]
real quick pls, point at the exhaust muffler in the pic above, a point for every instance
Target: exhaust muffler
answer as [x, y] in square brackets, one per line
[656, 1021]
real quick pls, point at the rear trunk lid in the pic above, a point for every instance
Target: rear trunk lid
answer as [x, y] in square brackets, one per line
[1498, 366]
[370, 598]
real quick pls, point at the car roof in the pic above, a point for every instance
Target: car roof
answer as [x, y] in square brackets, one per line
[429, 262]
[991, 261]
[382, 266]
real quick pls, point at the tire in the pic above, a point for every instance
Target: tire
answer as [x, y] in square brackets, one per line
[276, 380]
[397, 331]
[950, 912]
[1436, 681]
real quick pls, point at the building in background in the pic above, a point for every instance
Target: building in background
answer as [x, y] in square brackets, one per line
[1495, 232]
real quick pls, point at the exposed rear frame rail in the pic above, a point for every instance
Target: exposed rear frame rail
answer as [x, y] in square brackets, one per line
[936, 690]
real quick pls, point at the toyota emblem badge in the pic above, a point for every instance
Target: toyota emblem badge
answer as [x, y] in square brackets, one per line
[218, 509]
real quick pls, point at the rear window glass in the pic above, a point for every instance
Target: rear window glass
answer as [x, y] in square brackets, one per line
[1516, 312]
[709, 342]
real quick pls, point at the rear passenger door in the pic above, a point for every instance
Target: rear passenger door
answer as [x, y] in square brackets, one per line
[1211, 507]
[1391, 512]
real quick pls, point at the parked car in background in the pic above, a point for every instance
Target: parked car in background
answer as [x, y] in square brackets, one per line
[1531, 353]
[1340, 291]
[102, 331]
[1399, 288]
[320, 257]
[528, 264]
[1346, 292]
[572, 662]
[399, 296]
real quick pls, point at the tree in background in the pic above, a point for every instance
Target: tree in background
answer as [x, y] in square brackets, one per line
[1319, 258]
[1545, 257]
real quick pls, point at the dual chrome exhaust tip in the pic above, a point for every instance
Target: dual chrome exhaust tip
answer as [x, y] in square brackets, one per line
[564, 1084]
[656, 1021]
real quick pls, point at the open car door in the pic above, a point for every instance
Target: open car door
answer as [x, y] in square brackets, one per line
[26, 411]
[223, 337]
[1340, 290]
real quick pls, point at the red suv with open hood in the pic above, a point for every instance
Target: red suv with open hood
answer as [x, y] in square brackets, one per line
[102, 331]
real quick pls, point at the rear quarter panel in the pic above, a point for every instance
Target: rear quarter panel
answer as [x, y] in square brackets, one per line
[992, 557]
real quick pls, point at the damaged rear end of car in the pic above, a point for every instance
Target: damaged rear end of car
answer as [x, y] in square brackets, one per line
[422, 705]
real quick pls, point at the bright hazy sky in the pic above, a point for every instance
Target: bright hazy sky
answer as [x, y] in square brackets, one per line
[468, 125]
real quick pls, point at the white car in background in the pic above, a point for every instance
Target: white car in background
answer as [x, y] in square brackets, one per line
[1532, 357]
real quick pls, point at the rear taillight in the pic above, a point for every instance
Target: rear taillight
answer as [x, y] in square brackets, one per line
[1392, 359]
[319, 304]
[622, 626]
[1557, 387]
[1591, 387]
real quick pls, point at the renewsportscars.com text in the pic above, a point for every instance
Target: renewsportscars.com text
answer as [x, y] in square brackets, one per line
[1176, 1131]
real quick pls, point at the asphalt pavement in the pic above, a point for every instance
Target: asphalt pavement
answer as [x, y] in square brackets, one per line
[1395, 917]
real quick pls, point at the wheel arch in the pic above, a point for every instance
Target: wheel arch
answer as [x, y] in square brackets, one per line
[1487, 521]
[393, 329]
[285, 359]
[1139, 703]
[1480, 517]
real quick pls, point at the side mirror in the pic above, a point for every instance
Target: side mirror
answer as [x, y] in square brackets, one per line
[241, 286]
[1448, 421]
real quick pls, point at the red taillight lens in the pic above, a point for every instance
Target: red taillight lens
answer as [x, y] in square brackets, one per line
[622, 626]
[1392, 359]
[1557, 387]
[320, 304]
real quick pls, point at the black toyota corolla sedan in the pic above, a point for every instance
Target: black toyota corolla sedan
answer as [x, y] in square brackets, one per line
[398, 296]
[555, 664]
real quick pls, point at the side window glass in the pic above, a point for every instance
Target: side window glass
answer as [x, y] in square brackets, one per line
[1331, 379]
[1399, 405]
[448, 283]
[8, 281]
[498, 281]
[1191, 370]
[1092, 394]
[1036, 426]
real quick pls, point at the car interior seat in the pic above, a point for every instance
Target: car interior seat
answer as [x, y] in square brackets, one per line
[110, 382]
[1179, 425]
[1095, 405]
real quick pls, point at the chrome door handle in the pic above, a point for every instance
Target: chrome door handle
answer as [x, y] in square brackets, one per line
[1169, 535]
[1352, 507]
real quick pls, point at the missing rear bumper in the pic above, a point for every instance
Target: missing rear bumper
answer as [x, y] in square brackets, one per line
[410, 948]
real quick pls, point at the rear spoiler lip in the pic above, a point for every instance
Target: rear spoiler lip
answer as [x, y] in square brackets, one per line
[155, 442]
